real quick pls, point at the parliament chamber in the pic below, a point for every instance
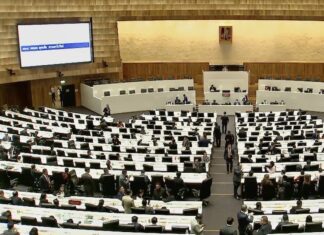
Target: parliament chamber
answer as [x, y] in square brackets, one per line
[161, 116]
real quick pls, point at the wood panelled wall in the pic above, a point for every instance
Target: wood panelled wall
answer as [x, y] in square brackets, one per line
[13, 94]
[162, 70]
[106, 13]
[284, 71]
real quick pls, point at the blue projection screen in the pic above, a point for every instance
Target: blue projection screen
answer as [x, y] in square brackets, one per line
[53, 44]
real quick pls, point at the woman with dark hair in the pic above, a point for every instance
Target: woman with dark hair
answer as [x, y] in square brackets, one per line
[306, 187]
[268, 190]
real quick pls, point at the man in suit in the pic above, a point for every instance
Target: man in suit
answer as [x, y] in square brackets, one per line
[123, 180]
[11, 230]
[265, 228]
[229, 139]
[15, 199]
[87, 182]
[217, 135]
[228, 229]
[203, 141]
[237, 176]
[284, 220]
[243, 220]
[138, 226]
[225, 121]
[299, 205]
[229, 156]
[45, 182]
[127, 202]
[158, 192]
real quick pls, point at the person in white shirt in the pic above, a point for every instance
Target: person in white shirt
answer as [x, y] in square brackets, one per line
[271, 168]
[197, 227]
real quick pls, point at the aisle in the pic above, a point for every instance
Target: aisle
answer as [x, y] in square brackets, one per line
[221, 203]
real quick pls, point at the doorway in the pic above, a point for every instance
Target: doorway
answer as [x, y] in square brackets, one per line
[68, 95]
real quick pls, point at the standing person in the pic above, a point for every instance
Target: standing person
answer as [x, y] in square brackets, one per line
[53, 95]
[87, 182]
[229, 139]
[237, 176]
[228, 156]
[225, 121]
[60, 94]
[217, 135]
[243, 220]
[128, 202]
[45, 184]
[228, 229]
[197, 227]
[106, 111]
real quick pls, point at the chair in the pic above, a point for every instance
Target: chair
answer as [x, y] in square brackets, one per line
[289, 228]
[95, 165]
[58, 179]
[172, 167]
[70, 225]
[314, 227]
[190, 211]
[111, 225]
[302, 211]
[250, 189]
[49, 222]
[148, 168]
[108, 185]
[91, 207]
[166, 159]
[321, 186]
[5, 201]
[179, 229]
[47, 205]
[136, 210]
[28, 201]
[162, 211]
[68, 207]
[26, 177]
[153, 229]
[126, 228]
[68, 162]
[279, 212]
[80, 164]
[4, 179]
[130, 167]
[27, 220]
[149, 159]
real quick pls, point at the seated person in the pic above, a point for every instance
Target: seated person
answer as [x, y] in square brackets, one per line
[173, 144]
[284, 221]
[299, 205]
[158, 192]
[177, 100]
[148, 209]
[138, 226]
[203, 141]
[115, 140]
[11, 230]
[212, 88]
[15, 199]
[236, 102]
[271, 168]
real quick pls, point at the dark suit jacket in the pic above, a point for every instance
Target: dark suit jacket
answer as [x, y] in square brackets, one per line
[44, 185]
[88, 184]
[138, 227]
[228, 230]
[243, 221]
[265, 229]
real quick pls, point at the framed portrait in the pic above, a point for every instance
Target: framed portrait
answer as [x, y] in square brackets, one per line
[225, 33]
